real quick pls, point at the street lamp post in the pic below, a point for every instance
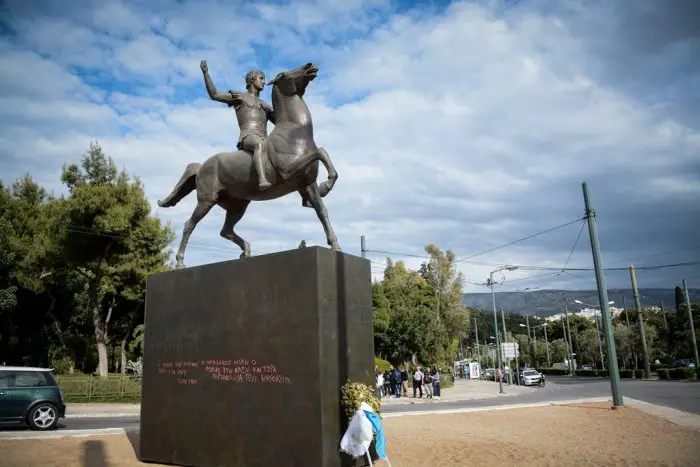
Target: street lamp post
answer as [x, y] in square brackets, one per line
[495, 321]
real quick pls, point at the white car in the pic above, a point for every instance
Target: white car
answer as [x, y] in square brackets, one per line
[531, 378]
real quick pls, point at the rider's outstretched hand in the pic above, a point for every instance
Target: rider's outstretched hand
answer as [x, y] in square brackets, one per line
[203, 65]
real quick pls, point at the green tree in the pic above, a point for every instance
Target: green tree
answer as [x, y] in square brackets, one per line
[8, 288]
[302, 244]
[442, 275]
[558, 351]
[414, 329]
[625, 344]
[110, 239]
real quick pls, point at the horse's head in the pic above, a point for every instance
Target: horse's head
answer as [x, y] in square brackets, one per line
[294, 82]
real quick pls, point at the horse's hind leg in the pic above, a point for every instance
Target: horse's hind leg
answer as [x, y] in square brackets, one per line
[234, 212]
[305, 199]
[312, 191]
[201, 210]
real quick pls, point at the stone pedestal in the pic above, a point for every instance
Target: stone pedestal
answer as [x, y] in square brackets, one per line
[244, 360]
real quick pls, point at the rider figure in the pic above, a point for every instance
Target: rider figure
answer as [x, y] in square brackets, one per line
[252, 114]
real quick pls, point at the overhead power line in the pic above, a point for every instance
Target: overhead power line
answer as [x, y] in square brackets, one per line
[517, 241]
[573, 248]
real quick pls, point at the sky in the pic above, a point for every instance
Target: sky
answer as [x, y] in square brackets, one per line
[468, 125]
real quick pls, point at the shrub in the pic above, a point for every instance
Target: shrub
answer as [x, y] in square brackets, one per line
[63, 365]
[639, 374]
[626, 373]
[446, 380]
[663, 373]
[353, 394]
[383, 365]
[554, 371]
[681, 373]
[89, 388]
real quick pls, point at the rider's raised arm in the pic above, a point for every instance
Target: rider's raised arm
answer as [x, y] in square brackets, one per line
[269, 111]
[227, 97]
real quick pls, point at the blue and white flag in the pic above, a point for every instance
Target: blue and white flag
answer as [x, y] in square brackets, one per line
[380, 442]
[358, 436]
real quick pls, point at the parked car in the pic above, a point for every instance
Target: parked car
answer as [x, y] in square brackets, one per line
[683, 363]
[30, 396]
[530, 377]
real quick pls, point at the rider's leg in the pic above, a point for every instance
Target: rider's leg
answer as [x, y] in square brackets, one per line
[254, 143]
[263, 183]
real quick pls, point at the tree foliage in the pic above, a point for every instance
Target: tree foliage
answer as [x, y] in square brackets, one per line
[73, 269]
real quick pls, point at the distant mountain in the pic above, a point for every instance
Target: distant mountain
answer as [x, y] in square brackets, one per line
[549, 302]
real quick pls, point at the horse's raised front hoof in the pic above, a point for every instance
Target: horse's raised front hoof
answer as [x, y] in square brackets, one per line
[325, 187]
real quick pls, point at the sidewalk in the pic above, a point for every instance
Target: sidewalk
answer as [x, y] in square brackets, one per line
[102, 410]
[463, 390]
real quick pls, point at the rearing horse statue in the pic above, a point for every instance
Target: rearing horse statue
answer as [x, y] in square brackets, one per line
[228, 179]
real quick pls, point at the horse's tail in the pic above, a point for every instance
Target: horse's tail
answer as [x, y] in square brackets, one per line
[184, 187]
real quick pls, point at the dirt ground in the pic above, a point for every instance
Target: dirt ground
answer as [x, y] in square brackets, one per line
[576, 435]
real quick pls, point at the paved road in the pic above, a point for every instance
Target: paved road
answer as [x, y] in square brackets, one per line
[678, 395]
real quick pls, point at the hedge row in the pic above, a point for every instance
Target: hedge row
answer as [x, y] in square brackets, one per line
[624, 374]
[676, 373]
[554, 371]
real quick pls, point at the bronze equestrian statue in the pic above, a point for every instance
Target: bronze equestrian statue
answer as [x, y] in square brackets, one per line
[289, 162]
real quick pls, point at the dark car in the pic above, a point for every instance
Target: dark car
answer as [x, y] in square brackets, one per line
[683, 363]
[30, 396]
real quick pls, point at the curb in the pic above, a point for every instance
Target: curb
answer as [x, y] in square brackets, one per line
[496, 407]
[684, 419]
[103, 415]
[60, 434]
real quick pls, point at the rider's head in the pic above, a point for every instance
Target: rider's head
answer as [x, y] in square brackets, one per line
[255, 79]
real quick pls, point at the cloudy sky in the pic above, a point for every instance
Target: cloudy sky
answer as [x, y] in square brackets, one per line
[468, 124]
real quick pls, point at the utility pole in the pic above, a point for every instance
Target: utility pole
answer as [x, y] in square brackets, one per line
[663, 314]
[495, 330]
[613, 369]
[692, 329]
[505, 335]
[476, 336]
[571, 341]
[529, 342]
[566, 341]
[363, 248]
[600, 344]
[624, 306]
[640, 323]
[546, 344]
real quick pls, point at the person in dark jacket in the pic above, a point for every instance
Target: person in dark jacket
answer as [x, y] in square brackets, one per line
[387, 383]
[397, 382]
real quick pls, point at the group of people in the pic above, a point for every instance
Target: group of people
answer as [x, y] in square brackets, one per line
[394, 382]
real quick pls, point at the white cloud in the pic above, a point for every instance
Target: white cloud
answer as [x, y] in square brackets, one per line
[467, 128]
